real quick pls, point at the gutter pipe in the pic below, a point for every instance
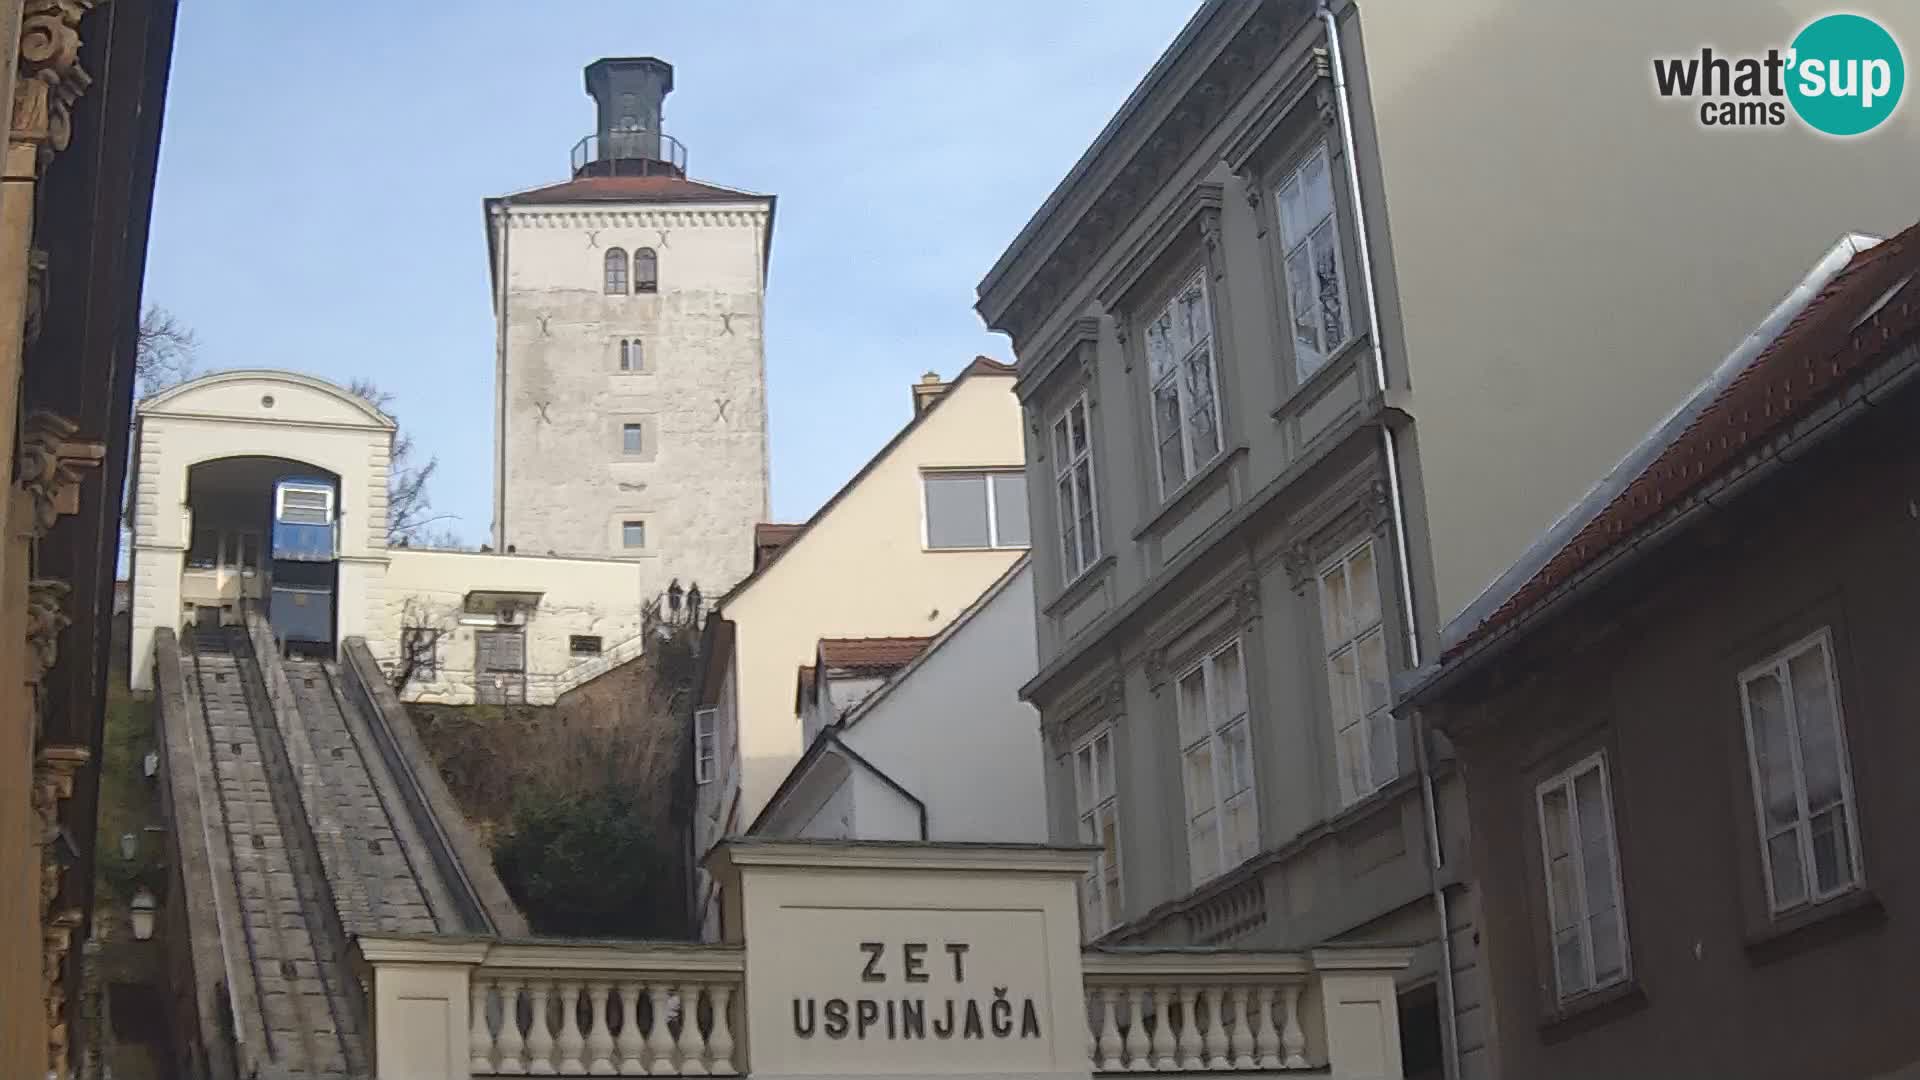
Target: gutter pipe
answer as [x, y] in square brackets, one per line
[1396, 499]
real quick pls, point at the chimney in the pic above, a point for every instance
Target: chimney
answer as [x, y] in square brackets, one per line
[927, 391]
[628, 93]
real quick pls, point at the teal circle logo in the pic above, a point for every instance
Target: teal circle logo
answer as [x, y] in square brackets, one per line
[1846, 74]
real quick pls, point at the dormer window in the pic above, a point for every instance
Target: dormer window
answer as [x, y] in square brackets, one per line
[616, 266]
[646, 271]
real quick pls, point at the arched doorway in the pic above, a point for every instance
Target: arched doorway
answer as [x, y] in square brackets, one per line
[262, 532]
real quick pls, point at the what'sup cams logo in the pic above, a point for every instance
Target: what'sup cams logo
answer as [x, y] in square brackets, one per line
[1842, 75]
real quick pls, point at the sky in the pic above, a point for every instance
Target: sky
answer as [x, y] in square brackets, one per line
[322, 169]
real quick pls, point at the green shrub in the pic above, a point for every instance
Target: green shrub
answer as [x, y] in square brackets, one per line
[586, 863]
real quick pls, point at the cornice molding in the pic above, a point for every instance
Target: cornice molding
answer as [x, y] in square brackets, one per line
[1055, 355]
[1198, 211]
[1125, 185]
[526, 218]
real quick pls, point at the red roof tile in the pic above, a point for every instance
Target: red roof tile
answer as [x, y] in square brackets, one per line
[1853, 322]
[662, 188]
[769, 537]
[874, 653]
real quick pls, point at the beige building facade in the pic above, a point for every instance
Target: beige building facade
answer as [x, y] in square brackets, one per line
[874, 561]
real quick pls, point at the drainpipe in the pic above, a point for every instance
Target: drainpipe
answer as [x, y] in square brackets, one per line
[500, 385]
[1396, 500]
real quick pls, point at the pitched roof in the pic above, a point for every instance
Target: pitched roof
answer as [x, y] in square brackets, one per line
[980, 365]
[1848, 326]
[658, 188]
[769, 537]
[870, 653]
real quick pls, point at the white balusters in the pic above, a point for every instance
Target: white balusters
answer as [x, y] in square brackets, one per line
[632, 1043]
[1242, 1031]
[1217, 1029]
[1190, 1031]
[479, 1036]
[1137, 1060]
[1293, 1041]
[720, 1042]
[1163, 1059]
[600, 1038]
[693, 1048]
[539, 1037]
[512, 1048]
[570, 1044]
[1266, 1041]
[1221, 1026]
[1109, 1034]
[659, 1040]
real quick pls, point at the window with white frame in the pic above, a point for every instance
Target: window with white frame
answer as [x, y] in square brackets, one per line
[632, 438]
[703, 743]
[1802, 785]
[1073, 483]
[1582, 867]
[976, 509]
[1098, 805]
[1186, 402]
[1216, 754]
[305, 505]
[1364, 734]
[1315, 281]
[615, 265]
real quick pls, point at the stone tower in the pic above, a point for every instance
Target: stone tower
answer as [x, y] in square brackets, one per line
[630, 381]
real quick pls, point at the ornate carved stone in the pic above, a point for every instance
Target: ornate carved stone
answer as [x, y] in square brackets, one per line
[1155, 666]
[50, 76]
[1298, 559]
[1210, 235]
[36, 303]
[1325, 104]
[1246, 601]
[52, 463]
[53, 774]
[46, 617]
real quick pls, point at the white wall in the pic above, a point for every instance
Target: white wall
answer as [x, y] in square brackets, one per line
[254, 414]
[861, 569]
[701, 482]
[953, 731]
[579, 596]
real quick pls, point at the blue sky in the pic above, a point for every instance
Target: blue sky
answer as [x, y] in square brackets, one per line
[322, 169]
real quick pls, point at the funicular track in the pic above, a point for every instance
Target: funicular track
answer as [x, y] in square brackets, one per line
[295, 948]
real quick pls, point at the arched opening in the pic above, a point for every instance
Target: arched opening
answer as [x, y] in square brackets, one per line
[616, 270]
[646, 271]
[263, 532]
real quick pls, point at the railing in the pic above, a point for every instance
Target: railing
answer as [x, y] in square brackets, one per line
[629, 153]
[610, 1011]
[1186, 1010]
[560, 1008]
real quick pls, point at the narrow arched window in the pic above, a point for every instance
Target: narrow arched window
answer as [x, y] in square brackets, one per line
[630, 358]
[616, 272]
[646, 271]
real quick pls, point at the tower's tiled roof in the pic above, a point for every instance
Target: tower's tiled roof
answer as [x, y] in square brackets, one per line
[658, 188]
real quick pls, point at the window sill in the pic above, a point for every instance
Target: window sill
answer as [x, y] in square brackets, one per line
[1182, 495]
[1788, 935]
[964, 550]
[1081, 585]
[1338, 366]
[1592, 1010]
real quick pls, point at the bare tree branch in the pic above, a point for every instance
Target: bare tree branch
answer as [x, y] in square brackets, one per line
[164, 352]
[408, 506]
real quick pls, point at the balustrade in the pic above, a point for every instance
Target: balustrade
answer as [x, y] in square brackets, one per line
[601, 1024]
[1189, 1011]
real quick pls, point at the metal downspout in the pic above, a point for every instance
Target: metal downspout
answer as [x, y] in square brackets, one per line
[1397, 506]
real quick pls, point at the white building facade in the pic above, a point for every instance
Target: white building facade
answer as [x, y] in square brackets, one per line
[943, 751]
[630, 384]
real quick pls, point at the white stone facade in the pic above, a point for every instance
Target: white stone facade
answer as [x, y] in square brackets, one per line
[698, 480]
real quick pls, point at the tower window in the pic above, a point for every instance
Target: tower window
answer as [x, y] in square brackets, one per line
[646, 271]
[617, 271]
[633, 534]
[630, 355]
[630, 441]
